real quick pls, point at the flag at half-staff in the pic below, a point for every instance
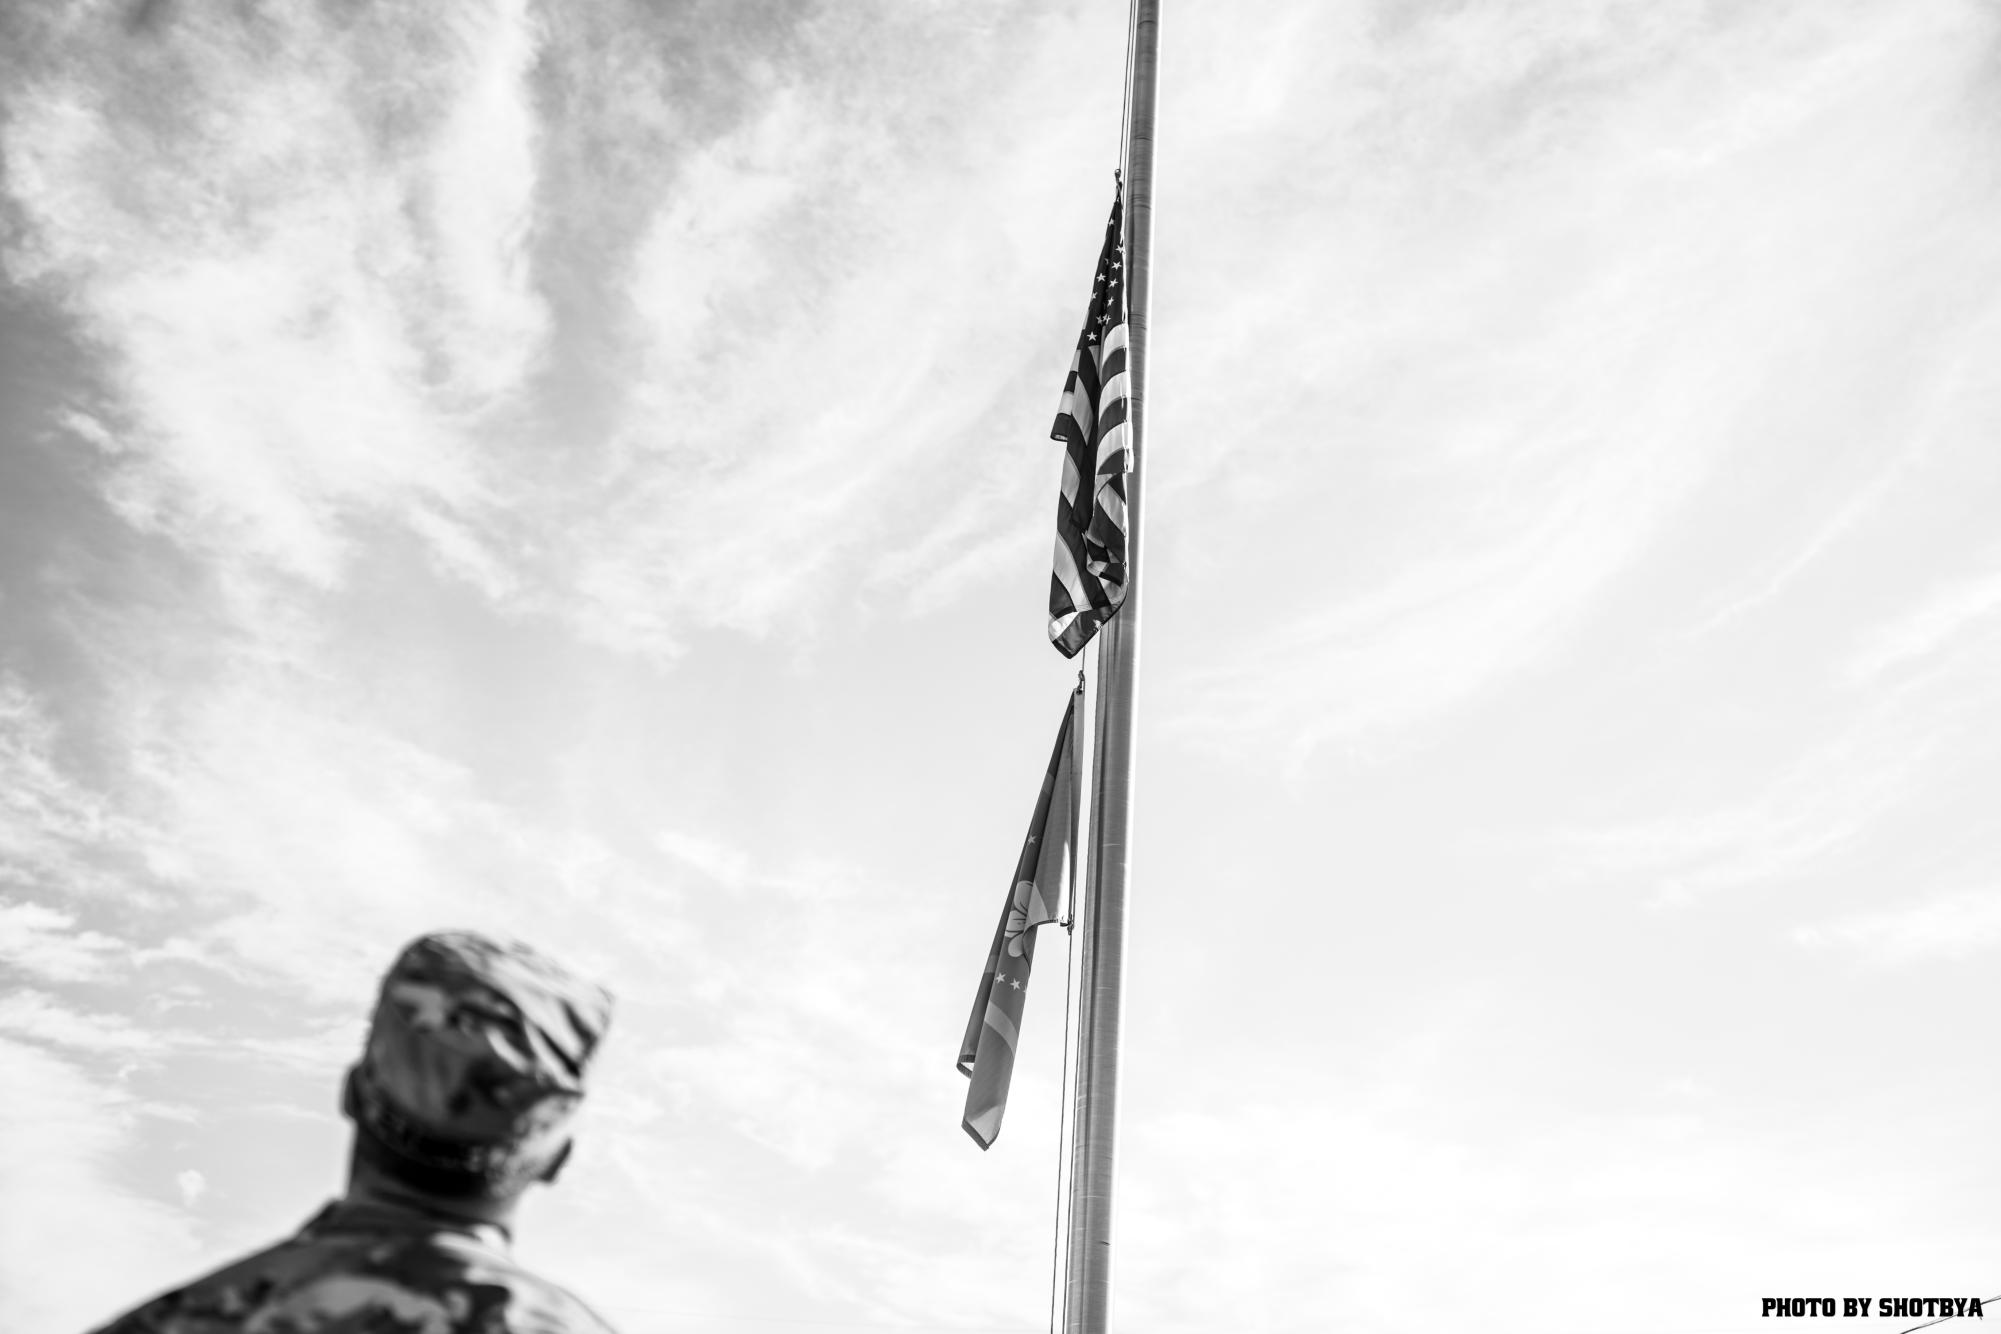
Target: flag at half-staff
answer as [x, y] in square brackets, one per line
[1088, 583]
[1042, 875]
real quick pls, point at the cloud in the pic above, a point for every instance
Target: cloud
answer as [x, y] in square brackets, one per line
[38, 1016]
[192, 1185]
[315, 845]
[767, 309]
[1569, 283]
[305, 252]
[289, 841]
[1836, 767]
[1953, 926]
[821, 336]
[777, 1043]
[810, 1077]
[1298, 1205]
[1961, 610]
[44, 942]
[1445, 629]
[323, 1049]
[331, 276]
[725, 865]
[1824, 802]
[68, 1224]
[51, 826]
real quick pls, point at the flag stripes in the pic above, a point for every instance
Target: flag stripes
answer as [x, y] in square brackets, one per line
[1088, 580]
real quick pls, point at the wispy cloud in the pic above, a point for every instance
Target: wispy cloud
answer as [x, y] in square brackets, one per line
[1550, 356]
[60, 1134]
[1927, 386]
[39, 1016]
[721, 863]
[821, 338]
[59, 837]
[1826, 801]
[1884, 760]
[327, 277]
[1952, 926]
[312, 844]
[312, 277]
[1346, 1216]
[1962, 614]
[44, 941]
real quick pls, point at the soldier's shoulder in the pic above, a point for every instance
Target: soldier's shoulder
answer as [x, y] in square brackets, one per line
[504, 1297]
[393, 1285]
[542, 1307]
[221, 1300]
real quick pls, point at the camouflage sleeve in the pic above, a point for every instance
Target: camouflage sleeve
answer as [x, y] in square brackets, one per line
[136, 1321]
[183, 1312]
[218, 1303]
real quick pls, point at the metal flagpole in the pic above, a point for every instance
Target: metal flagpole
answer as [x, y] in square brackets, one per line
[1087, 1300]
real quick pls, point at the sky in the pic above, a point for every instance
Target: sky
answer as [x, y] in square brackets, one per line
[579, 471]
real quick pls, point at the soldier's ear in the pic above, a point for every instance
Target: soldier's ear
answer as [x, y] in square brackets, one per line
[555, 1167]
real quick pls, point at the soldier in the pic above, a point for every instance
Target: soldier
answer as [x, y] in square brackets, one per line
[463, 1098]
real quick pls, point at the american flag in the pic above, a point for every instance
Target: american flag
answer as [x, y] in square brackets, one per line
[1041, 875]
[1089, 580]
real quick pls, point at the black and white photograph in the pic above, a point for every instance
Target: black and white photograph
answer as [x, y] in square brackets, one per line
[993, 666]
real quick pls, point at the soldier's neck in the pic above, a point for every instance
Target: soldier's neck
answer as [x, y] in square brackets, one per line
[367, 1184]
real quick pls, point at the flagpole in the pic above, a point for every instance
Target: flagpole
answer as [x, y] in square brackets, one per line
[1088, 1297]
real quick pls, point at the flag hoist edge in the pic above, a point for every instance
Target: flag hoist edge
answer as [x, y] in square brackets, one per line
[1088, 584]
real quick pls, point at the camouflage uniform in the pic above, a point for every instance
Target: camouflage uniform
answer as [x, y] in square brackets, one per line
[366, 1268]
[473, 1070]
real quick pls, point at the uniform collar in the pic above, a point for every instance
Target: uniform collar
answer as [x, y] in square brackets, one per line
[379, 1217]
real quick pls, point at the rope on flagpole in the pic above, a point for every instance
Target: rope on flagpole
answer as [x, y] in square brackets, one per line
[1059, 1276]
[1126, 94]
[1058, 1271]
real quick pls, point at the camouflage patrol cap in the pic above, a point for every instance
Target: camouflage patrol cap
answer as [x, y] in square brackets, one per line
[476, 1058]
